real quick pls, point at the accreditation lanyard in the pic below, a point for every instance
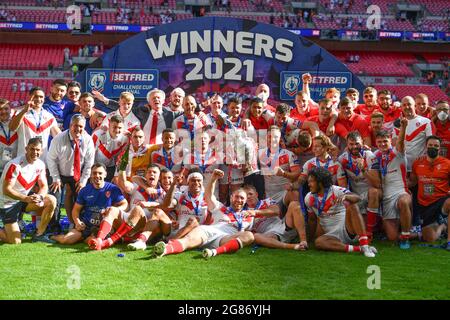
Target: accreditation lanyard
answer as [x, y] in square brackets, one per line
[384, 160]
[195, 205]
[7, 134]
[238, 216]
[169, 163]
[38, 122]
[320, 206]
[202, 164]
[326, 165]
[187, 127]
[350, 164]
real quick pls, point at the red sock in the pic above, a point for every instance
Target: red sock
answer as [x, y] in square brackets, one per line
[229, 247]
[123, 230]
[404, 236]
[350, 248]
[174, 246]
[363, 240]
[128, 239]
[371, 219]
[142, 237]
[105, 228]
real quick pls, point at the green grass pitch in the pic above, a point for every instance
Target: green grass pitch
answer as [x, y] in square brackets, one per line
[43, 271]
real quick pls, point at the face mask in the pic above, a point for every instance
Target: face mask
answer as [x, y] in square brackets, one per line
[263, 96]
[432, 152]
[442, 115]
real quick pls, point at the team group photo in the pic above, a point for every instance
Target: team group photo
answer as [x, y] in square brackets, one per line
[223, 150]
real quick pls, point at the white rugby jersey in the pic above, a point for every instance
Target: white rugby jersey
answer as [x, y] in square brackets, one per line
[138, 194]
[129, 122]
[188, 206]
[393, 172]
[330, 214]
[358, 183]
[108, 149]
[35, 123]
[24, 175]
[417, 131]
[284, 159]
[8, 144]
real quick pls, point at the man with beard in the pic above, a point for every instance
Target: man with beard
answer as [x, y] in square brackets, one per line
[370, 103]
[337, 214]
[418, 129]
[55, 103]
[389, 111]
[141, 209]
[92, 206]
[228, 234]
[349, 121]
[432, 174]
[176, 99]
[357, 163]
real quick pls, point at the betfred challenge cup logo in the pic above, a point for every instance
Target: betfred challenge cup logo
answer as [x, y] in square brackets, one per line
[97, 81]
[291, 85]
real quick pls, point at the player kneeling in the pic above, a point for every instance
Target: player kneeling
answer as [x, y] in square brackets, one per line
[338, 214]
[228, 233]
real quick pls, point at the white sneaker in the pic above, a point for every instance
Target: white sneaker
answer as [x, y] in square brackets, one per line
[158, 250]
[366, 250]
[137, 245]
[207, 253]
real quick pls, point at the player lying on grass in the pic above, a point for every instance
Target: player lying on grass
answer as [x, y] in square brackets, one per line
[269, 229]
[229, 232]
[95, 209]
[338, 215]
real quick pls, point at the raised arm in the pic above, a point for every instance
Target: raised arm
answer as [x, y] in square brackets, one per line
[400, 144]
[210, 198]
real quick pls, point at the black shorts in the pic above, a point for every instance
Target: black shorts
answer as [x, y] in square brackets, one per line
[110, 173]
[430, 214]
[69, 181]
[283, 208]
[11, 215]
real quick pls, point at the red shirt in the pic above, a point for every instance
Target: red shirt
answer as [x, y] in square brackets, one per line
[391, 114]
[323, 126]
[259, 123]
[433, 179]
[312, 111]
[363, 110]
[443, 132]
[355, 123]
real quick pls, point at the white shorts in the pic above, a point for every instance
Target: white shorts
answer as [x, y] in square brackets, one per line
[340, 232]
[125, 215]
[215, 233]
[278, 227]
[231, 175]
[390, 207]
[265, 225]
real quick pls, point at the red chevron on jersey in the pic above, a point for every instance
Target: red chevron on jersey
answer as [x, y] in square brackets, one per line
[41, 128]
[108, 154]
[415, 133]
[12, 139]
[328, 203]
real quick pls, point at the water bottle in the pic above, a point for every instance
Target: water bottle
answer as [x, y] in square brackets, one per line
[65, 223]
